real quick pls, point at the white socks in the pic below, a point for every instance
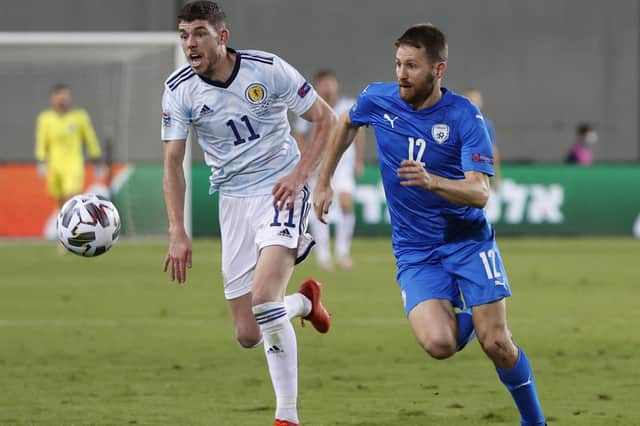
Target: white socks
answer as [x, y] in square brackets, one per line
[281, 350]
[320, 232]
[344, 234]
[297, 305]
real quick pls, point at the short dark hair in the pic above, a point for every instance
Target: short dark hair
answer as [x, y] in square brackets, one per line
[324, 74]
[584, 128]
[58, 87]
[426, 36]
[202, 9]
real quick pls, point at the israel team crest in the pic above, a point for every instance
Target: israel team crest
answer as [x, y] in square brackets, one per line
[440, 133]
[256, 93]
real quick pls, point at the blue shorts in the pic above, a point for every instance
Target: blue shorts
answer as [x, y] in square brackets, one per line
[469, 272]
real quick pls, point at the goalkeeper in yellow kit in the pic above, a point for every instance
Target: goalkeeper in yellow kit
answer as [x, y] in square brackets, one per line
[61, 133]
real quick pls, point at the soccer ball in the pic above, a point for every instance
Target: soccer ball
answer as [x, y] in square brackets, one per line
[88, 225]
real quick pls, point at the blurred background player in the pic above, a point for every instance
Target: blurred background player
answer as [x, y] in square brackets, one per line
[581, 152]
[343, 181]
[475, 96]
[61, 134]
[237, 101]
[435, 161]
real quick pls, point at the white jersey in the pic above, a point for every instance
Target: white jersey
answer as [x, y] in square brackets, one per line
[348, 159]
[241, 124]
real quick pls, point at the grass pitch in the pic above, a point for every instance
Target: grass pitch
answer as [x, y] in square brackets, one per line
[109, 341]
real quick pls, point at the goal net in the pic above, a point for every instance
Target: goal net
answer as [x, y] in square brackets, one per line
[118, 78]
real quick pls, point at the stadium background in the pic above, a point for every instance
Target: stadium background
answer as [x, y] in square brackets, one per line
[110, 341]
[542, 69]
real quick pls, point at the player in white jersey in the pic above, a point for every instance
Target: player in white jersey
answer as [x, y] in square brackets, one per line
[237, 103]
[343, 181]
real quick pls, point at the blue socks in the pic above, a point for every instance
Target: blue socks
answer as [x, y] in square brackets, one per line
[466, 332]
[519, 381]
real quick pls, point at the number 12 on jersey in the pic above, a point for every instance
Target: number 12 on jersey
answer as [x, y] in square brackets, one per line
[421, 144]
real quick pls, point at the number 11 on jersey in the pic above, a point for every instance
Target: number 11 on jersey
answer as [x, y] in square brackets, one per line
[239, 140]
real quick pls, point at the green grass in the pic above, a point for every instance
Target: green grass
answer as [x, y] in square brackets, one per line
[109, 341]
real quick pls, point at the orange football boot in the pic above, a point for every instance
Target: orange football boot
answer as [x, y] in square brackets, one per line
[285, 423]
[318, 317]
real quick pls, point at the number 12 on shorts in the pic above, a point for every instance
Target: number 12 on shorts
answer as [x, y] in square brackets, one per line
[489, 261]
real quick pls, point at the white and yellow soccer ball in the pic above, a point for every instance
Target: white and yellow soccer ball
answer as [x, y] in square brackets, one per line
[88, 225]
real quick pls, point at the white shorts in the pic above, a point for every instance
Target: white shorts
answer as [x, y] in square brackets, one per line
[249, 224]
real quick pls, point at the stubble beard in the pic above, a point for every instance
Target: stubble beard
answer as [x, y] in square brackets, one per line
[421, 93]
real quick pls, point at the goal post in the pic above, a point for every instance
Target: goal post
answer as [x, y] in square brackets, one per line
[117, 76]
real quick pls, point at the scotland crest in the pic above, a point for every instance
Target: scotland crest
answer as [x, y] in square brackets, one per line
[256, 93]
[440, 133]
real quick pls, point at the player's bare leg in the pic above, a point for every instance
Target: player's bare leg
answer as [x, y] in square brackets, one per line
[246, 328]
[439, 329]
[490, 322]
[434, 325]
[344, 230]
[512, 365]
[273, 271]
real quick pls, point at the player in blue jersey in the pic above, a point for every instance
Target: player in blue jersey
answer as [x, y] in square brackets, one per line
[237, 103]
[435, 159]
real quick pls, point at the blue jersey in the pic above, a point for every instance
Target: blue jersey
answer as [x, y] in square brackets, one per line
[450, 138]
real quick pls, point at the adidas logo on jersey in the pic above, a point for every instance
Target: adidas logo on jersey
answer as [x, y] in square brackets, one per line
[285, 233]
[275, 349]
[204, 111]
